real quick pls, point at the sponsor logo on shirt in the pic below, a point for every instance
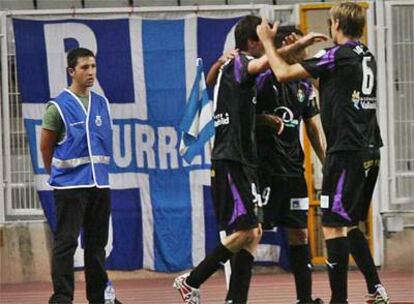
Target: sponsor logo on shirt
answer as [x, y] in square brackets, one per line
[221, 119]
[287, 115]
[363, 102]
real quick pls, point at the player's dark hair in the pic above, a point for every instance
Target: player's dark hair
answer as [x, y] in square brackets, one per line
[74, 54]
[284, 31]
[351, 17]
[245, 30]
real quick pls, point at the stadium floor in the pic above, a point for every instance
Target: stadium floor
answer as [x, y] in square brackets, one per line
[266, 288]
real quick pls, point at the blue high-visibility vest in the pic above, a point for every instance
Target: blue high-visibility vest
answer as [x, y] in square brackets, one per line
[82, 158]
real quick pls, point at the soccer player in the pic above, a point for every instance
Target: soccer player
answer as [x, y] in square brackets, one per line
[273, 151]
[234, 161]
[281, 159]
[347, 83]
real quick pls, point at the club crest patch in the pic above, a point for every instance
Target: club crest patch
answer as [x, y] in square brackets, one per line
[98, 120]
[301, 95]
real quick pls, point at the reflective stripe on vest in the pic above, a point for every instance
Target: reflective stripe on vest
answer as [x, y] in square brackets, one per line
[75, 162]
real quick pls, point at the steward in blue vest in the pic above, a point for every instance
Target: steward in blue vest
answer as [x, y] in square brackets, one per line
[76, 146]
[82, 158]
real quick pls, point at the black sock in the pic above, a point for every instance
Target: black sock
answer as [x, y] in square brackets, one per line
[208, 266]
[337, 264]
[241, 274]
[358, 246]
[302, 267]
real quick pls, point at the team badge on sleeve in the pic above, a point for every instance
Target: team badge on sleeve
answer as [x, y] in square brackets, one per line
[301, 95]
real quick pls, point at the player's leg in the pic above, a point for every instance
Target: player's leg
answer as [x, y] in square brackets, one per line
[234, 214]
[336, 200]
[241, 270]
[294, 217]
[242, 261]
[300, 261]
[337, 263]
[361, 253]
[357, 242]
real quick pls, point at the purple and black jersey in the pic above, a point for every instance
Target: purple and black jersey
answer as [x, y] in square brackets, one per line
[282, 155]
[347, 87]
[234, 113]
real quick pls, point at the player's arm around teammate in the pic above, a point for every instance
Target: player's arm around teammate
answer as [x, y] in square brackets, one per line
[212, 74]
[316, 136]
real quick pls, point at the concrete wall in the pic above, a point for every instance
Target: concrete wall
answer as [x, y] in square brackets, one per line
[399, 251]
[25, 255]
[25, 251]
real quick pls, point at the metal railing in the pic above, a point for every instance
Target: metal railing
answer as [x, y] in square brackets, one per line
[400, 51]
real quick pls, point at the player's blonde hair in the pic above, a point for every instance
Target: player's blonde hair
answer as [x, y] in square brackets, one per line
[351, 17]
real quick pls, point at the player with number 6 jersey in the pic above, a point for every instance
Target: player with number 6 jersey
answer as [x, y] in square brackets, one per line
[348, 96]
[347, 83]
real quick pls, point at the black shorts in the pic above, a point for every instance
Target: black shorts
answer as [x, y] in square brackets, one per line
[234, 188]
[348, 184]
[288, 202]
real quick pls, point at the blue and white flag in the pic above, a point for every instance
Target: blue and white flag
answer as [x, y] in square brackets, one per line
[197, 125]
[162, 213]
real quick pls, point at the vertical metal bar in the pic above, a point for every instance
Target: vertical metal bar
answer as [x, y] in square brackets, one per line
[374, 228]
[410, 122]
[383, 194]
[16, 182]
[390, 107]
[15, 143]
[397, 100]
[411, 97]
[407, 85]
[3, 52]
[20, 164]
[6, 113]
[402, 67]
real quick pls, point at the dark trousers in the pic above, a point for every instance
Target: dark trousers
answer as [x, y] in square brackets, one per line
[76, 208]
